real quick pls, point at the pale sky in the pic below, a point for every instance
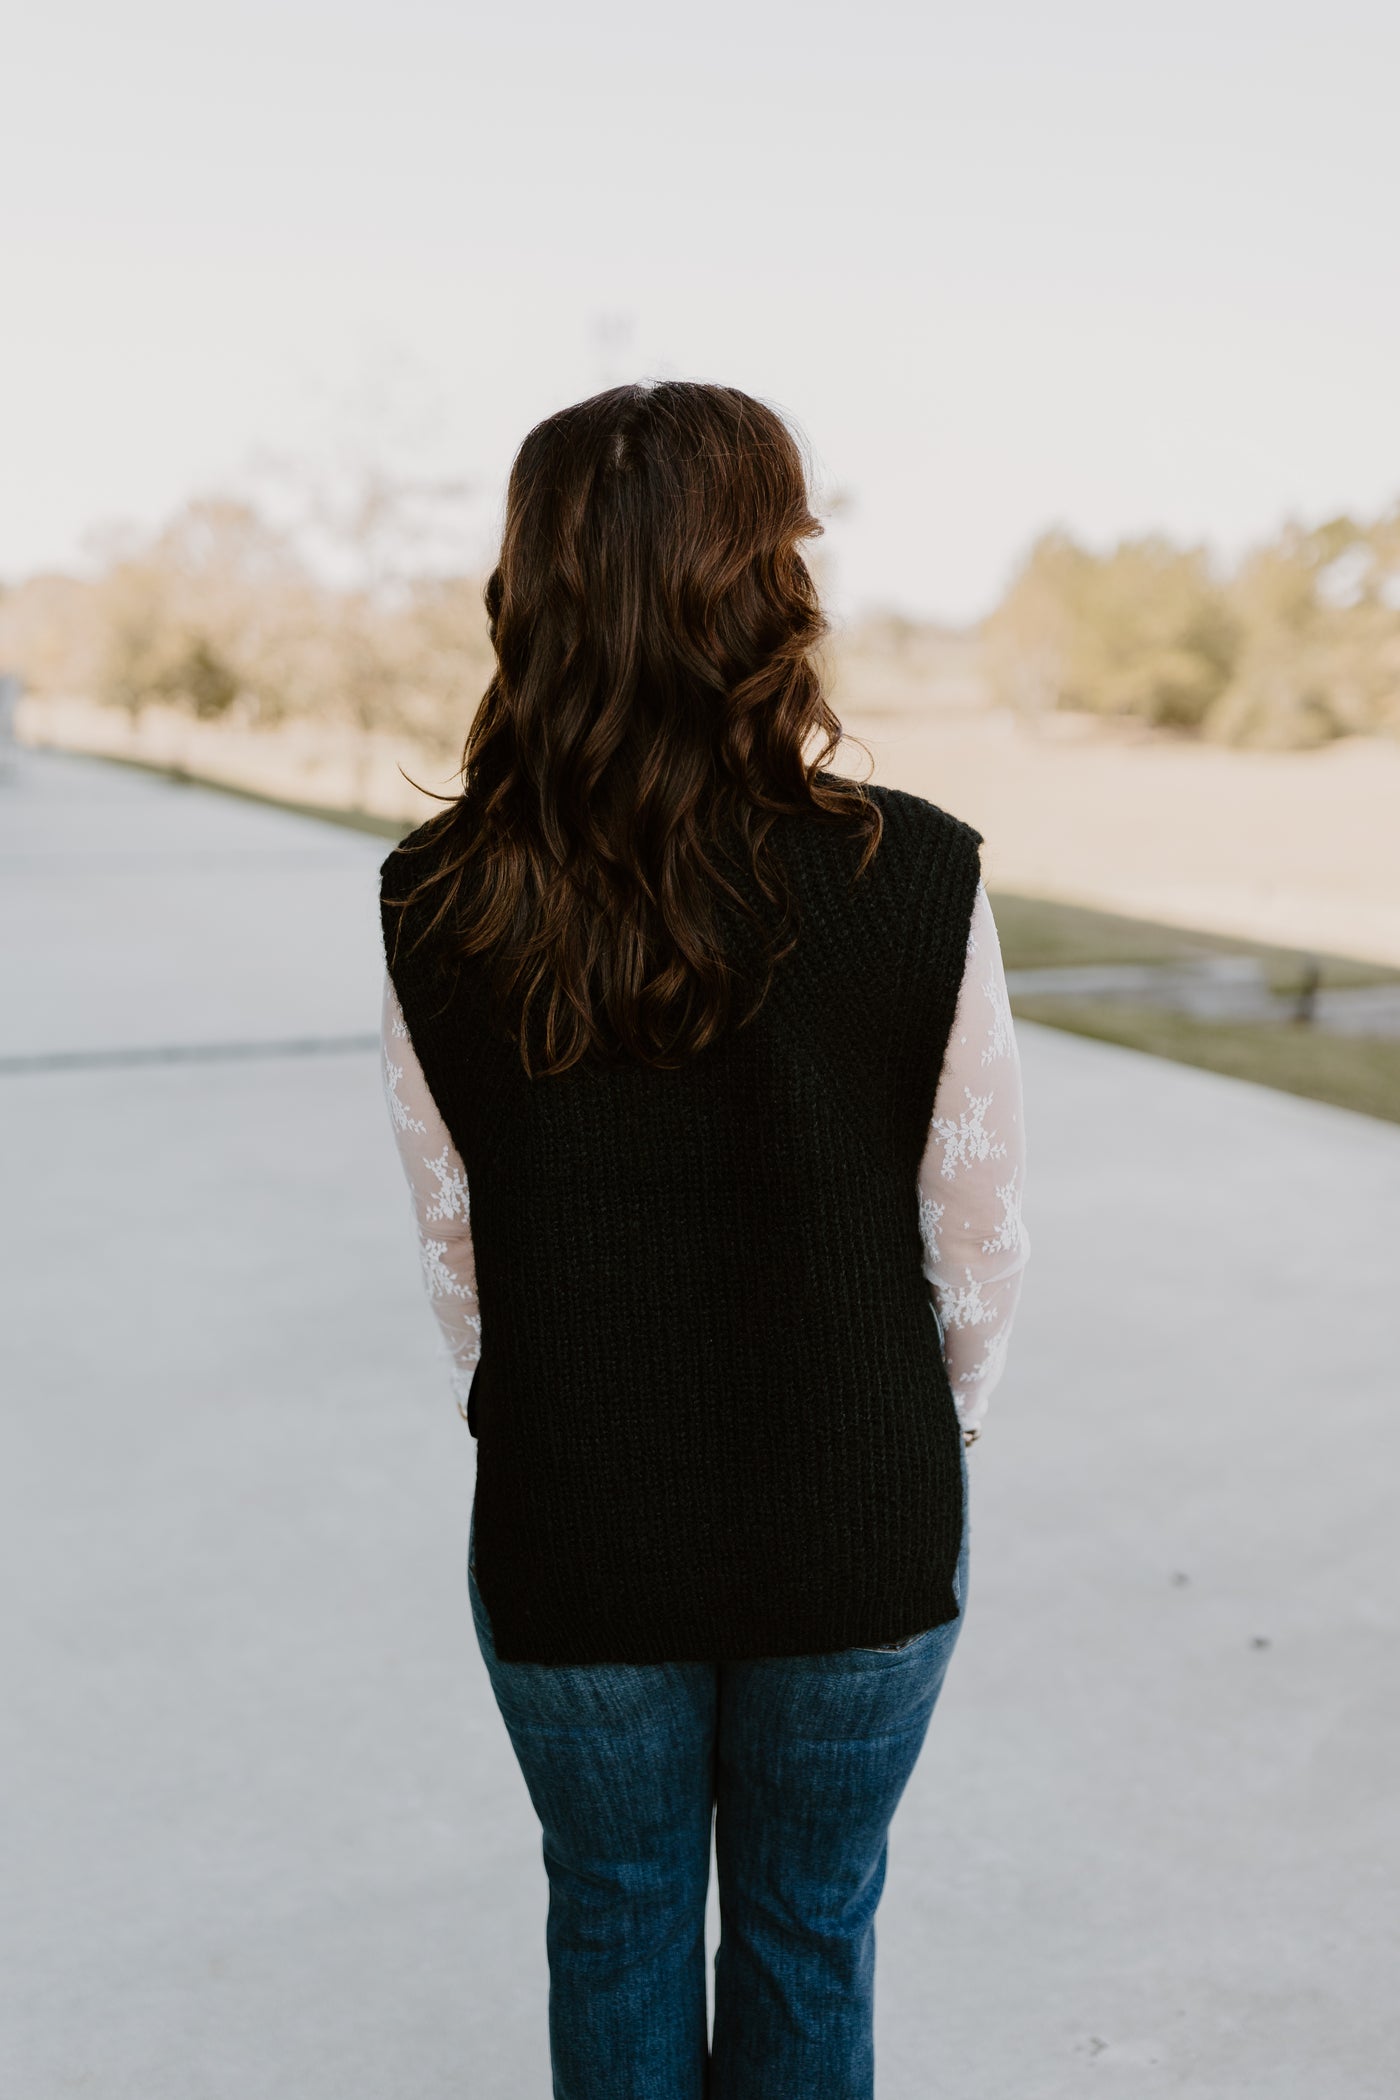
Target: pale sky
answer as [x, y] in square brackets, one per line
[1006, 264]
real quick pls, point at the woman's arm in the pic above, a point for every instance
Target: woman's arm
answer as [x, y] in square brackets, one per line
[438, 1187]
[972, 1177]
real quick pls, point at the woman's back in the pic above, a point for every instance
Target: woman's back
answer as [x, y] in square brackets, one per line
[712, 1412]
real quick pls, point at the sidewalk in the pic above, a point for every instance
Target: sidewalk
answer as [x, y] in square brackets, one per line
[265, 1839]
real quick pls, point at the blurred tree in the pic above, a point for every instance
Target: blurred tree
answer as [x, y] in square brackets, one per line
[359, 609]
[1144, 631]
[339, 615]
[1300, 645]
[207, 614]
[1319, 612]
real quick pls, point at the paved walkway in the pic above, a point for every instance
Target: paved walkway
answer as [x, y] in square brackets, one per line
[264, 1836]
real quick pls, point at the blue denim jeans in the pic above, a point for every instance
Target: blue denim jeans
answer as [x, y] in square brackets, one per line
[801, 1760]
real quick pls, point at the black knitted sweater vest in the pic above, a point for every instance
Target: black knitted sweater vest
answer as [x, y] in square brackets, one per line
[711, 1410]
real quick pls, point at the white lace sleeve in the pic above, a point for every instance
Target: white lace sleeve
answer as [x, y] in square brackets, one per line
[438, 1187]
[972, 1177]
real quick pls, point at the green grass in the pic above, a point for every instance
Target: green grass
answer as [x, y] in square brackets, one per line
[1356, 1072]
[1037, 933]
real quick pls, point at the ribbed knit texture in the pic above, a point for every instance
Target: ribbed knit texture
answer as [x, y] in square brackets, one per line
[712, 1414]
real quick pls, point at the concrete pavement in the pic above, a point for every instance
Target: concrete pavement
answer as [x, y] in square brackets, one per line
[264, 1838]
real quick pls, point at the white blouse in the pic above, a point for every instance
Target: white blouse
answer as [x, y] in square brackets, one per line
[970, 1184]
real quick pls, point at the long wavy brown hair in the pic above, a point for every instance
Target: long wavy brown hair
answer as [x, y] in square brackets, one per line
[657, 686]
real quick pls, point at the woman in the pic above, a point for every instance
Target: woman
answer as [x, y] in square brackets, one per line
[704, 1081]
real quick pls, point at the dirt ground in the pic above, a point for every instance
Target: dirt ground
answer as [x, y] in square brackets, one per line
[1300, 848]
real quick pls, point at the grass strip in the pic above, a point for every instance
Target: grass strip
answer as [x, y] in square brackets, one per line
[1349, 1071]
[1038, 933]
[394, 828]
